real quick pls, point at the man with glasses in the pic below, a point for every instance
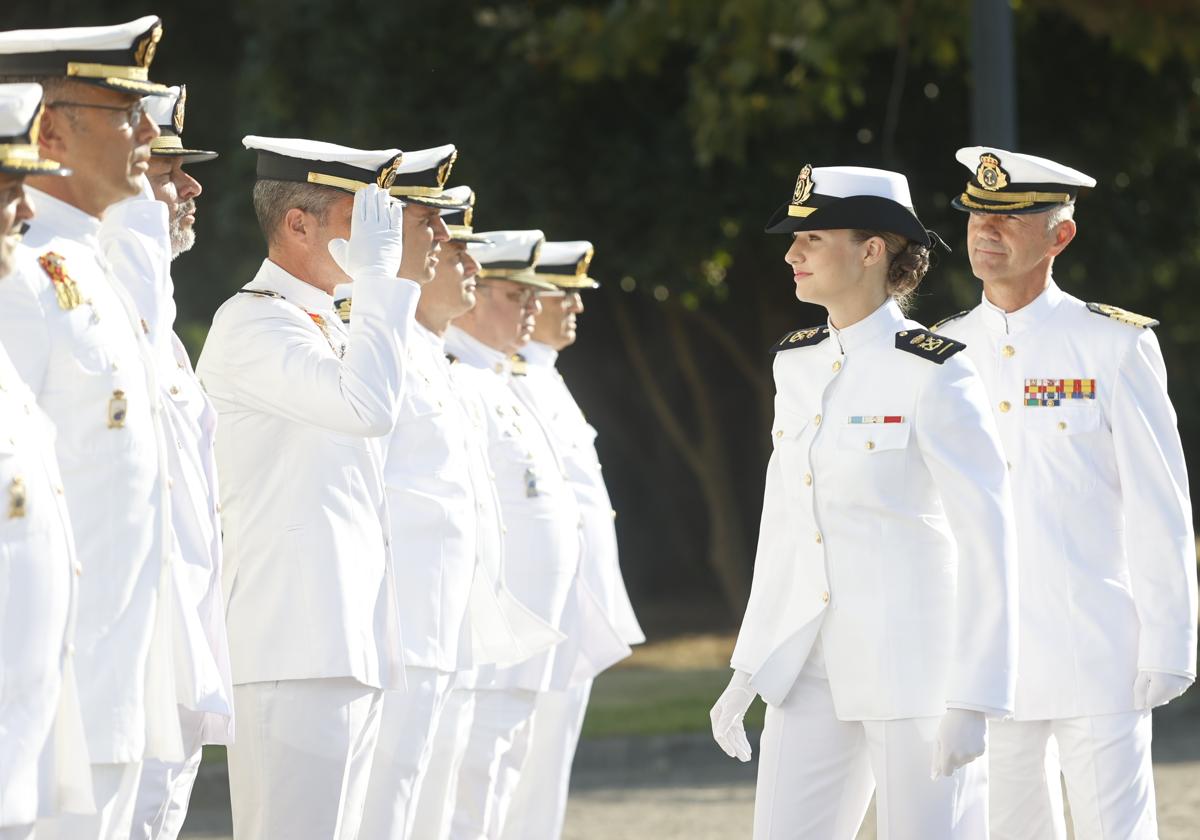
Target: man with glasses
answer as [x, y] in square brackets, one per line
[79, 340]
[541, 800]
[541, 541]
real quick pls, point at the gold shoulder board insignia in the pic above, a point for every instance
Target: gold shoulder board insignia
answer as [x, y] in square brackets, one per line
[936, 326]
[801, 338]
[342, 307]
[518, 365]
[451, 358]
[927, 345]
[66, 290]
[260, 293]
[1123, 315]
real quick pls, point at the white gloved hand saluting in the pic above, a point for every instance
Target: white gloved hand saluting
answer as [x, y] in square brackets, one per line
[1157, 688]
[727, 715]
[961, 738]
[376, 242]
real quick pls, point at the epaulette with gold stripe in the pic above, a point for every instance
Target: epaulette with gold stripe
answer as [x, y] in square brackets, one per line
[342, 307]
[1122, 315]
[801, 338]
[939, 324]
[927, 345]
[260, 293]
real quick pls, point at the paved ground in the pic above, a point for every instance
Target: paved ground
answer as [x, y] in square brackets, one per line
[681, 787]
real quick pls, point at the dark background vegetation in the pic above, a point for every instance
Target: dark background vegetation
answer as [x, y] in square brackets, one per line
[666, 131]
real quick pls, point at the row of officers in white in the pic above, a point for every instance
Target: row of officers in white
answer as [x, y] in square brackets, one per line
[975, 538]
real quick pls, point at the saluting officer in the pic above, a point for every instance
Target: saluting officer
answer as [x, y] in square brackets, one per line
[313, 631]
[1104, 521]
[203, 678]
[80, 340]
[880, 628]
[446, 538]
[43, 751]
[541, 800]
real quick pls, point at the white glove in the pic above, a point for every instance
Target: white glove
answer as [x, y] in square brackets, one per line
[961, 738]
[727, 714]
[1157, 688]
[376, 236]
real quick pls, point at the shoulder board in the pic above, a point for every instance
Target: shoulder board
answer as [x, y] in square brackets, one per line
[801, 338]
[947, 320]
[260, 293]
[927, 345]
[342, 307]
[518, 365]
[451, 358]
[1122, 315]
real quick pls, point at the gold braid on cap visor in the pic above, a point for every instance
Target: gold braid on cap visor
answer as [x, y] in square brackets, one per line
[1010, 200]
[107, 71]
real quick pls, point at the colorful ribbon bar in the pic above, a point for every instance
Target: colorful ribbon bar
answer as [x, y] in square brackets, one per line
[1053, 392]
[878, 418]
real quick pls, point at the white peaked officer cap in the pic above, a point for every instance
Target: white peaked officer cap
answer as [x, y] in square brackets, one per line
[167, 113]
[850, 197]
[459, 215]
[1015, 183]
[20, 118]
[325, 164]
[511, 255]
[421, 178]
[565, 264]
[116, 57]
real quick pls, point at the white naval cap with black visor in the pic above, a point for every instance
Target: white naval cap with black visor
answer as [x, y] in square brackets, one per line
[422, 175]
[116, 57]
[20, 120]
[511, 255]
[850, 198]
[324, 164]
[565, 264]
[1013, 183]
[459, 216]
[167, 113]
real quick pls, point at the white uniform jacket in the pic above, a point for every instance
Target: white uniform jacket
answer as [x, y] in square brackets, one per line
[543, 389]
[447, 547]
[542, 531]
[77, 339]
[307, 577]
[1104, 523]
[886, 528]
[43, 758]
[201, 650]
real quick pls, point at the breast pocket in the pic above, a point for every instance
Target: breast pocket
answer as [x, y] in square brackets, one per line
[1070, 443]
[874, 439]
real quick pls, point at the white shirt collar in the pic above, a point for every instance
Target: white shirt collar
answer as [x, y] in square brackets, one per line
[438, 342]
[474, 352]
[60, 218]
[887, 318]
[1027, 316]
[539, 354]
[273, 278]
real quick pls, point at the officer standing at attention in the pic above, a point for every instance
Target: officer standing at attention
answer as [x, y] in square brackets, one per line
[203, 674]
[43, 752]
[541, 801]
[446, 537]
[1104, 521]
[541, 540]
[881, 622]
[311, 613]
[80, 341]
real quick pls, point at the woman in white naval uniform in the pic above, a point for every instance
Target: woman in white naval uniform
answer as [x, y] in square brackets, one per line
[880, 623]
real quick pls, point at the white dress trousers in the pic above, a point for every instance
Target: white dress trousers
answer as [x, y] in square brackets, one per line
[435, 800]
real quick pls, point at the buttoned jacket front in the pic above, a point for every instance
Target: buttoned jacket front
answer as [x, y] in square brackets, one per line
[886, 528]
[543, 389]
[307, 577]
[76, 338]
[542, 528]
[44, 761]
[1104, 526]
[447, 535]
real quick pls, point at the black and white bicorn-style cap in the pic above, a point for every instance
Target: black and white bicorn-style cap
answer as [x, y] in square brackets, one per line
[511, 255]
[20, 118]
[325, 164]
[167, 113]
[565, 264]
[1013, 183]
[116, 57]
[850, 197]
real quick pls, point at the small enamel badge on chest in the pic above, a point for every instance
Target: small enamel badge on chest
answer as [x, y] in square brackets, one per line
[118, 408]
[531, 483]
[66, 290]
[16, 498]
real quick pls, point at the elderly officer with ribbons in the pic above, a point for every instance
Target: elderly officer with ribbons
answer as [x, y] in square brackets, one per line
[202, 670]
[44, 767]
[446, 540]
[80, 341]
[541, 541]
[311, 613]
[1104, 523]
[541, 800]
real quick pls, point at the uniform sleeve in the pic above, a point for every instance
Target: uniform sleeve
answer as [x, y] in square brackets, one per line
[267, 355]
[23, 326]
[960, 444]
[1158, 512]
[135, 241]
